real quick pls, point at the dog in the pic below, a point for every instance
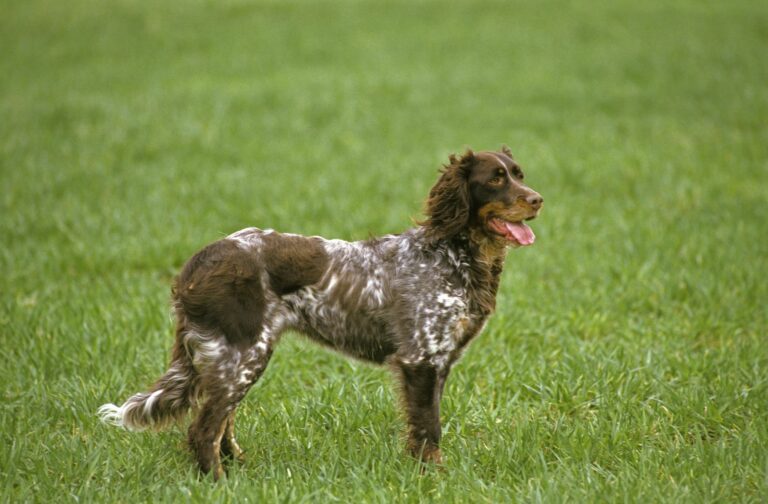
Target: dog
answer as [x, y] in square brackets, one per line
[411, 301]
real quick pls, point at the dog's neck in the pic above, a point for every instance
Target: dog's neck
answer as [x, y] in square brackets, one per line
[487, 262]
[480, 261]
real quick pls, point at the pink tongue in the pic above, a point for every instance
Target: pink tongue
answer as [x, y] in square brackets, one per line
[522, 233]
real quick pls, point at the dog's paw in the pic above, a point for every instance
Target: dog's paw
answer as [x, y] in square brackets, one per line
[432, 455]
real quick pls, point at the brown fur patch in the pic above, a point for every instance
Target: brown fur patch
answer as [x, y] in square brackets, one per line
[448, 204]
[517, 212]
[293, 261]
[220, 288]
[421, 389]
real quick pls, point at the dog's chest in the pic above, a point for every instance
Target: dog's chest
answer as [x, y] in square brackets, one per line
[441, 320]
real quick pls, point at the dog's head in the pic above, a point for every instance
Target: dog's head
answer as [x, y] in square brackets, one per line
[483, 193]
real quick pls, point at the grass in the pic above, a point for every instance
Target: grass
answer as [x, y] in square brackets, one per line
[627, 360]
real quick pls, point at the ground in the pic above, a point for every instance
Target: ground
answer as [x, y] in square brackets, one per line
[627, 359]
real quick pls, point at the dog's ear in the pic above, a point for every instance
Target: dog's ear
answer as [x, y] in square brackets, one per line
[448, 205]
[506, 151]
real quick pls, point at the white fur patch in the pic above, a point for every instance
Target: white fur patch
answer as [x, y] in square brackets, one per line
[151, 400]
[111, 414]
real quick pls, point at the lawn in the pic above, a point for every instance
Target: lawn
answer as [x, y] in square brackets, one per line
[628, 358]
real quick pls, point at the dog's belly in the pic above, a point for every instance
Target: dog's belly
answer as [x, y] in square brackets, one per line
[370, 342]
[358, 332]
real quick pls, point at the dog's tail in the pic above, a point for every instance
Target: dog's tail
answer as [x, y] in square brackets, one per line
[166, 402]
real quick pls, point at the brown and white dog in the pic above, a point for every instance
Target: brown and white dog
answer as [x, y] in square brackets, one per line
[412, 301]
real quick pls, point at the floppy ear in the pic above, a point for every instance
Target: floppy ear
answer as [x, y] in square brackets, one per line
[506, 151]
[447, 207]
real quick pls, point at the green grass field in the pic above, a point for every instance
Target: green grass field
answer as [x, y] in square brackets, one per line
[628, 358]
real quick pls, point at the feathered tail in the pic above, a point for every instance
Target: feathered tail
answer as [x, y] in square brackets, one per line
[166, 402]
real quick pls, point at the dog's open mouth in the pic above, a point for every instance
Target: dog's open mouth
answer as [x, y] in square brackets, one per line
[517, 232]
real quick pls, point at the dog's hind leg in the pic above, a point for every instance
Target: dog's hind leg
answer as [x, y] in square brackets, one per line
[215, 361]
[227, 373]
[229, 446]
[253, 364]
[205, 435]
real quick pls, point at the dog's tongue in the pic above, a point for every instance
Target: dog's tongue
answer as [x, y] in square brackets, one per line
[520, 232]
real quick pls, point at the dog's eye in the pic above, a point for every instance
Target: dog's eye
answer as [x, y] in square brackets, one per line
[518, 173]
[496, 181]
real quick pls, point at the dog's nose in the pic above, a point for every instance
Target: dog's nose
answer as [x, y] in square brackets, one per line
[535, 200]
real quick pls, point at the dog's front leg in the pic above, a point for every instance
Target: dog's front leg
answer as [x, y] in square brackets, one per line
[422, 386]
